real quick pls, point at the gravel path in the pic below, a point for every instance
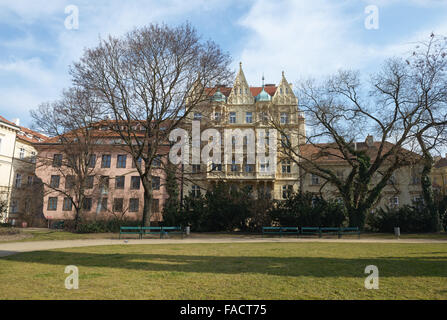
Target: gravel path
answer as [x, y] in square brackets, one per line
[10, 248]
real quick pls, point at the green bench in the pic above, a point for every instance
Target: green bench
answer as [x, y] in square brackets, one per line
[329, 230]
[142, 231]
[349, 230]
[320, 231]
[280, 230]
[130, 230]
[310, 231]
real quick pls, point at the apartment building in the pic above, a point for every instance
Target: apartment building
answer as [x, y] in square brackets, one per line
[246, 107]
[112, 187]
[19, 186]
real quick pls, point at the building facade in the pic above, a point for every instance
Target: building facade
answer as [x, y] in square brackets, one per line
[19, 186]
[439, 176]
[113, 187]
[243, 108]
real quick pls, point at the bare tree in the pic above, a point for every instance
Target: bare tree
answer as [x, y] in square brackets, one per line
[427, 70]
[339, 111]
[147, 82]
[72, 124]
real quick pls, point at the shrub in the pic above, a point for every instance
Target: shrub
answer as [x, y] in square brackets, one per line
[408, 218]
[100, 226]
[306, 209]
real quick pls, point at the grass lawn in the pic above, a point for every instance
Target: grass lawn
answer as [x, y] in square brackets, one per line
[33, 234]
[230, 271]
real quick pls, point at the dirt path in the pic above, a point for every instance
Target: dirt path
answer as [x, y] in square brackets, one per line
[18, 247]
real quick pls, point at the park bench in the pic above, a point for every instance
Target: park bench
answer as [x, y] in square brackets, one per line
[130, 230]
[310, 231]
[329, 230]
[349, 230]
[171, 230]
[141, 231]
[280, 230]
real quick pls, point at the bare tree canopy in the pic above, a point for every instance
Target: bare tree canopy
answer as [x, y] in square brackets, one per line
[402, 101]
[147, 82]
[71, 123]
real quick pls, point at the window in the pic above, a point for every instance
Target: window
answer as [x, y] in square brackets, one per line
[232, 117]
[216, 167]
[30, 180]
[102, 204]
[419, 200]
[138, 163]
[284, 118]
[67, 204]
[286, 190]
[248, 117]
[195, 191]
[52, 204]
[33, 157]
[119, 182]
[133, 205]
[69, 182]
[118, 204]
[27, 205]
[87, 204]
[92, 161]
[104, 184]
[285, 140]
[197, 116]
[156, 163]
[249, 168]
[285, 166]
[57, 160]
[217, 116]
[105, 163]
[22, 153]
[234, 166]
[135, 182]
[315, 180]
[18, 182]
[263, 117]
[156, 183]
[264, 167]
[155, 205]
[394, 202]
[195, 168]
[14, 206]
[89, 182]
[55, 181]
[121, 161]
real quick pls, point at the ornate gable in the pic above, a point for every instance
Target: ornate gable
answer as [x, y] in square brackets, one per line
[284, 94]
[240, 94]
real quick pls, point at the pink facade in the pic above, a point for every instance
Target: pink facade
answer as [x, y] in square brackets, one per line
[114, 189]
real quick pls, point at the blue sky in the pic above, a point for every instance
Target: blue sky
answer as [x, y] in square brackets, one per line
[302, 37]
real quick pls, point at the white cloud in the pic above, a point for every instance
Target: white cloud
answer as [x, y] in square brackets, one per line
[314, 38]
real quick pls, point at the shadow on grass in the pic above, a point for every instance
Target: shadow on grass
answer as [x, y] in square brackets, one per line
[268, 265]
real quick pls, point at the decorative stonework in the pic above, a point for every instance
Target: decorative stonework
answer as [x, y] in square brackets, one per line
[284, 94]
[240, 94]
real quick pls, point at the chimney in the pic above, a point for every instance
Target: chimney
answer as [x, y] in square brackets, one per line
[369, 140]
[16, 121]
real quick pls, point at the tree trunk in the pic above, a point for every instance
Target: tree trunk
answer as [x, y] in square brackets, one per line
[147, 208]
[427, 192]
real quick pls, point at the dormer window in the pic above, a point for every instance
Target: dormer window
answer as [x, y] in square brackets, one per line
[240, 91]
[280, 90]
[287, 90]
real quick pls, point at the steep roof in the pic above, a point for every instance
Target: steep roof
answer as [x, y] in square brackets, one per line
[8, 122]
[330, 153]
